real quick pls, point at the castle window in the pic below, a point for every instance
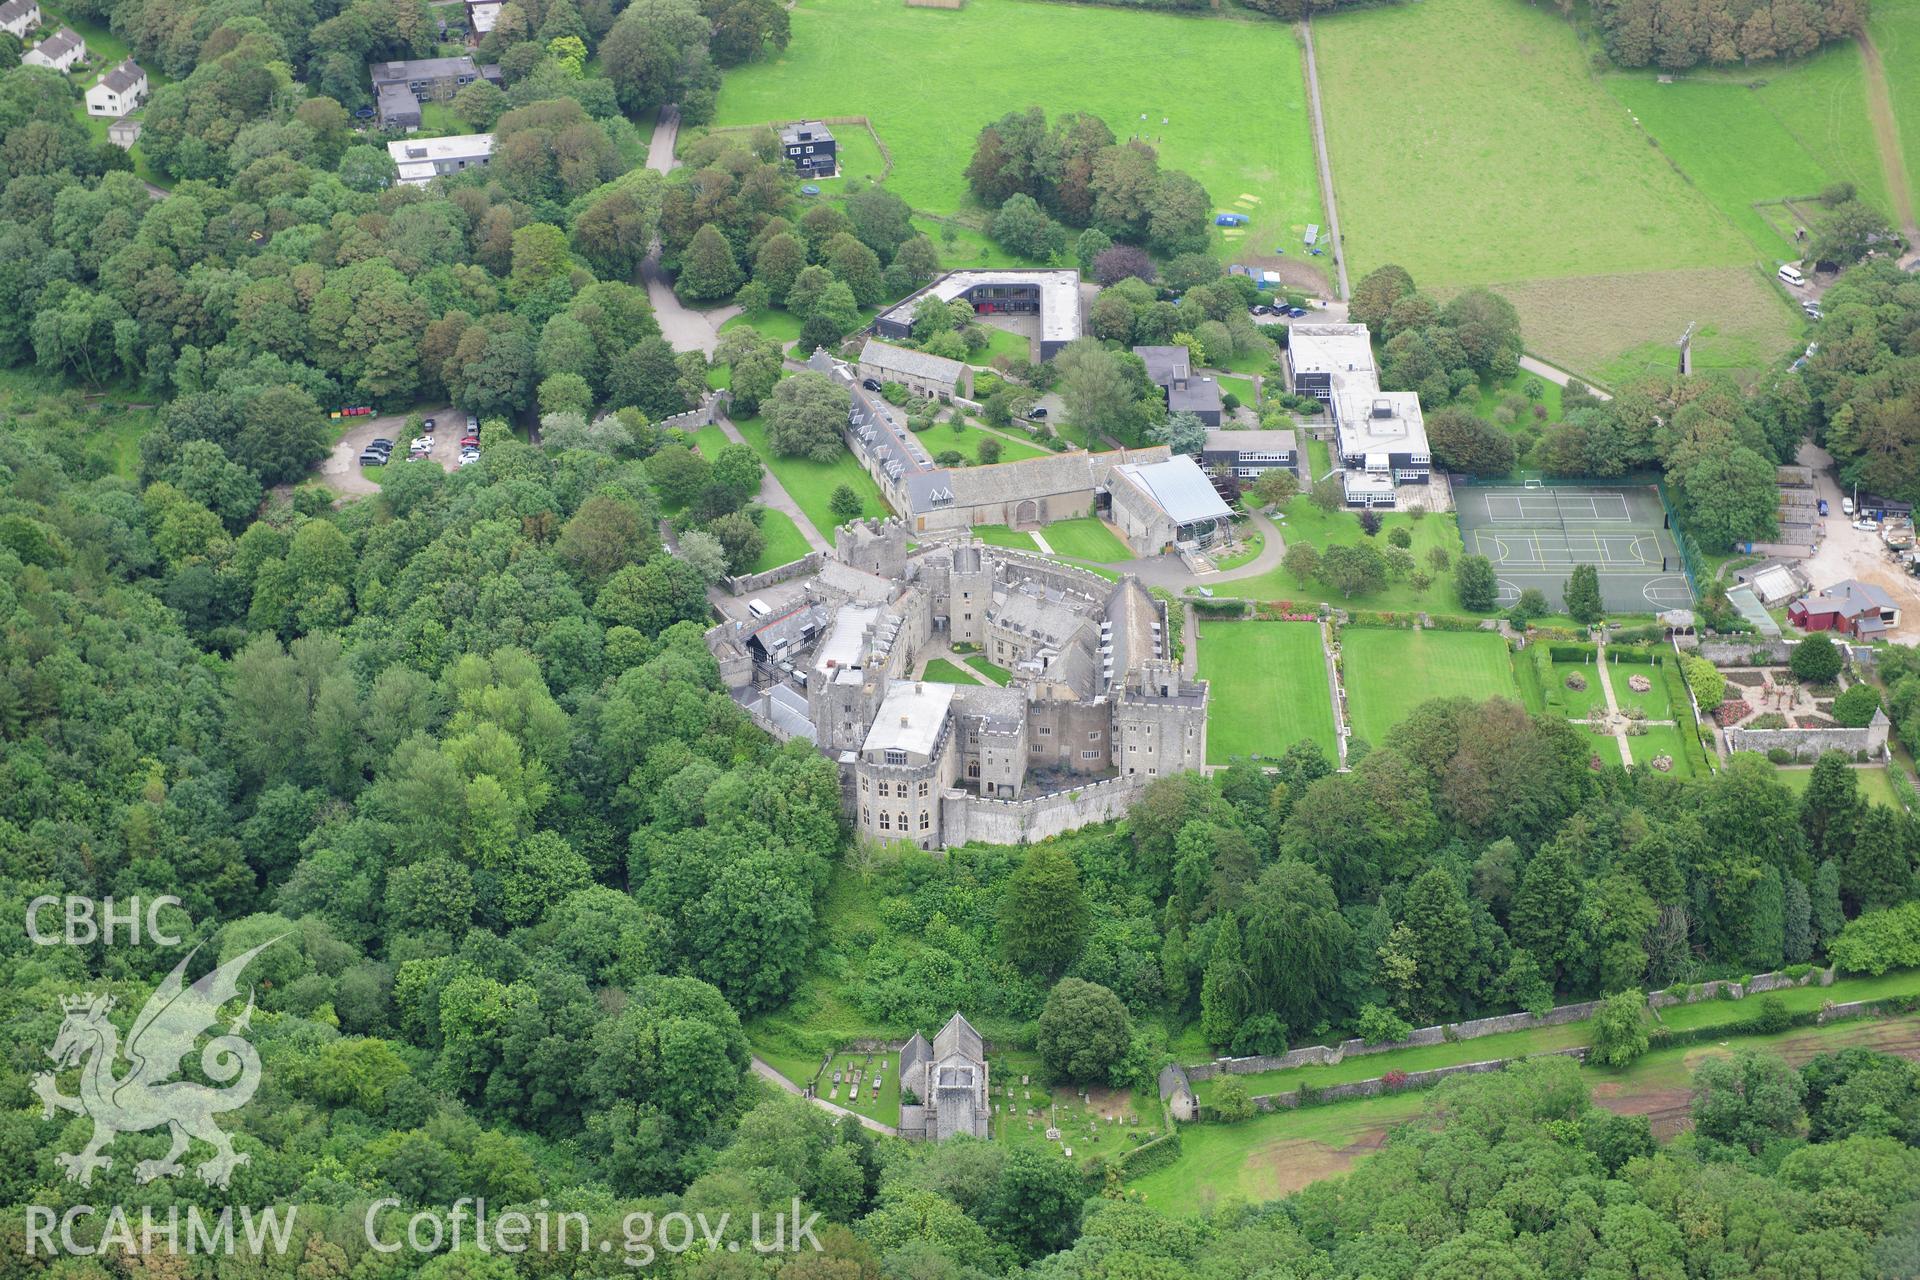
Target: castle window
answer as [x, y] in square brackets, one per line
[1045, 731]
[886, 788]
[926, 819]
[886, 820]
[903, 819]
[924, 787]
[863, 785]
[865, 816]
[896, 756]
[1089, 755]
[973, 768]
[1094, 736]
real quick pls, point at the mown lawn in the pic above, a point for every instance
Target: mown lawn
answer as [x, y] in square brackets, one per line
[1874, 783]
[1895, 27]
[998, 535]
[1658, 740]
[811, 484]
[1002, 342]
[1304, 522]
[967, 441]
[930, 78]
[1268, 689]
[785, 543]
[1581, 702]
[940, 671]
[992, 671]
[1085, 538]
[1389, 672]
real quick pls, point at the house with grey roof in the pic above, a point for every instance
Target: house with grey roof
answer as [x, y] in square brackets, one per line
[810, 149]
[120, 91]
[58, 51]
[947, 1081]
[424, 80]
[1171, 369]
[930, 377]
[18, 17]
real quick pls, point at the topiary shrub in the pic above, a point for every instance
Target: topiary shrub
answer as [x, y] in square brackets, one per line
[1576, 681]
[1854, 709]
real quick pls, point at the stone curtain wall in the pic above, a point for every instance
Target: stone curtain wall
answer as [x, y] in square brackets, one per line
[966, 818]
[1755, 985]
[807, 564]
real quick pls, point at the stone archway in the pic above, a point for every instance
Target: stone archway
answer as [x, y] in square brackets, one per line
[1026, 513]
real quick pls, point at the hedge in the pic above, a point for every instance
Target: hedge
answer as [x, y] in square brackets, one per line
[1150, 1156]
[1219, 608]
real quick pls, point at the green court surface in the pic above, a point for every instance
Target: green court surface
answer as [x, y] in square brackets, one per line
[940, 671]
[1268, 689]
[1389, 672]
[1535, 535]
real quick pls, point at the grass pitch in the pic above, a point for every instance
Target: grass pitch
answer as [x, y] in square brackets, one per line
[1085, 538]
[1389, 672]
[1231, 93]
[1269, 689]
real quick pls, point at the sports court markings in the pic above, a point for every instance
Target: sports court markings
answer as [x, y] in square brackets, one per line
[1532, 506]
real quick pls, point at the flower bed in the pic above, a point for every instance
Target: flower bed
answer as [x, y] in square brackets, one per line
[1730, 712]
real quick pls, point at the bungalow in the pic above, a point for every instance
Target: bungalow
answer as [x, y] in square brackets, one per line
[17, 17]
[58, 51]
[1170, 369]
[119, 91]
[1856, 608]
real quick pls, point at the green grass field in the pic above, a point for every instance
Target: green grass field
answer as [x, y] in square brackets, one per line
[938, 439]
[930, 78]
[1388, 672]
[1513, 166]
[1085, 538]
[1304, 522]
[785, 543]
[1001, 342]
[1804, 127]
[1269, 689]
[1895, 27]
[1580, 702]
[811, 484]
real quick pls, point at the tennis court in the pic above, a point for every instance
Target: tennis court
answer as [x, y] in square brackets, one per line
[1535, 535]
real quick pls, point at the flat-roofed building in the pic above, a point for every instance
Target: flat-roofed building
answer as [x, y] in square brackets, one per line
[421, 160]
[1247, 454]
[1171, 369]
[1050, 294]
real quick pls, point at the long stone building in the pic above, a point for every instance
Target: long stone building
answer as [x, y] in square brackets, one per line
[1095, 708]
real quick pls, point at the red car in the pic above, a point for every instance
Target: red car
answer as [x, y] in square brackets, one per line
[467, 440]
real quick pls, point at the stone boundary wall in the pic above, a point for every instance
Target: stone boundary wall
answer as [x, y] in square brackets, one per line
[1737, 653]
[968, 818]
[1318, 1055]
[808, 564]
[1758, 983]
[1415, 1080]
[1322, 1056]
[1809, 743]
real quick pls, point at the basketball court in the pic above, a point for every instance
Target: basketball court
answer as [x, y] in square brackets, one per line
[1535, 534]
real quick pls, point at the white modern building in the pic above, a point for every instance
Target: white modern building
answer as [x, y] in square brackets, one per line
[421, 160]
[1380, 436]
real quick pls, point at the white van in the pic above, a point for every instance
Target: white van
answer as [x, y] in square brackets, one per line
[760, 609]
[1846, 506]
[1791, 274]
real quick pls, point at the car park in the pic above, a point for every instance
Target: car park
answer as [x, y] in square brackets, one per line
[421, 442]
[381, 443]
[374, 458]
[466, 441]
[1296, 312]
[1846, 506]
[1260, 309]
[1866, 526]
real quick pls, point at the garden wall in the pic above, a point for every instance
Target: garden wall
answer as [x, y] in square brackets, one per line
[1739, 653]
[1753, 986]
[1412, 1080]
[1807, 744]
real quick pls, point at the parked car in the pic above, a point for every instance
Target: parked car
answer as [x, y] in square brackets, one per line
[871, 384]
[465, 458]
[1296, 312]
[380, 442]
[1038, 412]
[1866, 526]
[473, 423]
[428, 424]
[1823, 506]
[469, 441]
[1260, 309]
[1846, 506]
[421, 442]
[374, 458]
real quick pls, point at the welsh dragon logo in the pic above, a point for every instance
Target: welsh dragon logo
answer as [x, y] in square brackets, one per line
[146, 1097]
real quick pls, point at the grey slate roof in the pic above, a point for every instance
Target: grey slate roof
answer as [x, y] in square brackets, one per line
[1200, 395]
[60, 43]
[1165, 364]
[1849, 598]
[14, 10]
[124, 76]
[1028, 478]
[915, 364]
[430, 69]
